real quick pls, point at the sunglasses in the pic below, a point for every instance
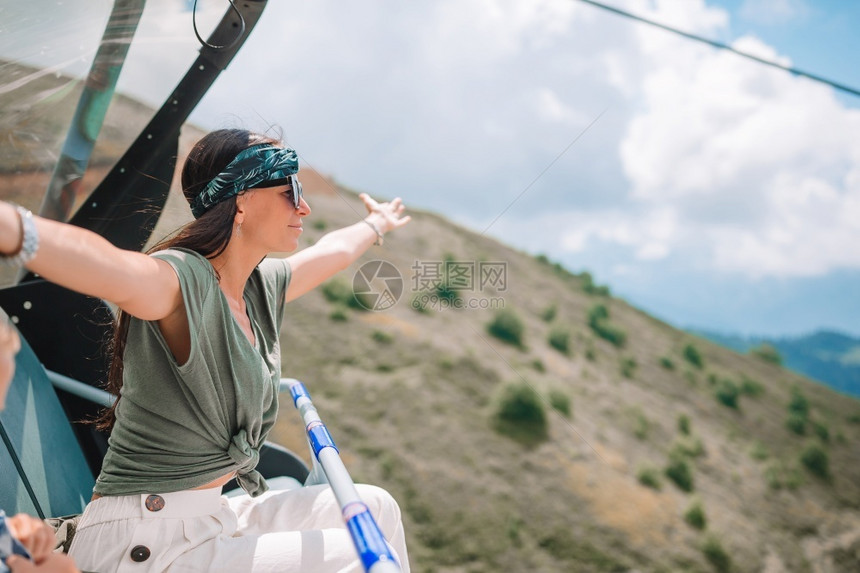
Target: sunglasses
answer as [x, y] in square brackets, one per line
[292, 181]
[296, 191]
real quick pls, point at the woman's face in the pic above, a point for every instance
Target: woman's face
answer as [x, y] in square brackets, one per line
[272, 218]
[9, 346]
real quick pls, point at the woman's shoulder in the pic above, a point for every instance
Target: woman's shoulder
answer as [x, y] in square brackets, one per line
[275, 271]
[179, 254]
[187, 263]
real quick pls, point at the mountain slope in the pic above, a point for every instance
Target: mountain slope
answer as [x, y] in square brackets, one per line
[411, 399]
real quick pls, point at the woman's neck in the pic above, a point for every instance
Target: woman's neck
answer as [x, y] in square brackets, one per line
[234, 266]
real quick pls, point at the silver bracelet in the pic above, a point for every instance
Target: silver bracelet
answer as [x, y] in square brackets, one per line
[29, 240]
[379, 236]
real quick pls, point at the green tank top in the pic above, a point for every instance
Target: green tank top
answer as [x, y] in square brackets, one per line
[183, 426]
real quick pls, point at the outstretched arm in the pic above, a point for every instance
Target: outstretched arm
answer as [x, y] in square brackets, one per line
[337, 250]
[85, 262]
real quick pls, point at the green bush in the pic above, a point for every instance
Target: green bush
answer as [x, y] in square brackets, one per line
[538, 365]
[589, 287]
[598, 320]
[727, 393]
[750, 387]
[798, 412]
[548, 314]
[778, 476]
[447, 293]
[796, 423]
[338, 291]
[767, 352]
[687, 447]
[649, 477]
[816, 460]
[560, 402]
[520, 413]
[691, 355]
[559, 270]
[587, 281]
[714, 552]
[597, 313]
[513, 530]
[559, 338]
[339, 314]
[679, 472]
[822, 431]
[667, 363]
[382, 337]
[319, 225]
[684, 424]
[798, 404]
[628, 367]
[759, 452]
[695, 515]
[641, 424]
[507, 327]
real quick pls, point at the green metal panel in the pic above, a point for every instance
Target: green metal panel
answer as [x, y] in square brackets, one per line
[44, 444]
[14, 497]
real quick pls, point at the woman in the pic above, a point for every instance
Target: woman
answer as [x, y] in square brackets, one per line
[197, 360]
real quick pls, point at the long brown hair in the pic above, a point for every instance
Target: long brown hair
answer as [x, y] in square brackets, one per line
[207, 235]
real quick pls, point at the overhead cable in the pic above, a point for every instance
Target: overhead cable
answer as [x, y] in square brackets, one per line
[721, 46]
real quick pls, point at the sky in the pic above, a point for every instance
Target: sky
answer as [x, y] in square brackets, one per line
[710, 191]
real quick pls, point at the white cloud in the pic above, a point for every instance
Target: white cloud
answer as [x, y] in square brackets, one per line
[715, 131]
[649, 234]
[810, 231]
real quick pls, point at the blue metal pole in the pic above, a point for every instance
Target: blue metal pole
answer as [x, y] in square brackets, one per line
[369, 542]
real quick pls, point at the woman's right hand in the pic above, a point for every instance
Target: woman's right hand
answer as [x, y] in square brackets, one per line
[34, 534]
[39, 539]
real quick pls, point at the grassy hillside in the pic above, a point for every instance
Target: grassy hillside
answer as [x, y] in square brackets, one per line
[584, 435]
[413, 401]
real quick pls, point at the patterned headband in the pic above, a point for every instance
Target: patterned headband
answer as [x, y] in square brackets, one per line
[263, 163]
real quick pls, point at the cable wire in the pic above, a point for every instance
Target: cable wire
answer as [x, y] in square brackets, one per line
[214, 47]
[721, 46]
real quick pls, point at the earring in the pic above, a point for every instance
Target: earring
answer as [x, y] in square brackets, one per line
[239, 230]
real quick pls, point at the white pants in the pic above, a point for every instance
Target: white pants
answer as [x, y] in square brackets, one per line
[298, 530]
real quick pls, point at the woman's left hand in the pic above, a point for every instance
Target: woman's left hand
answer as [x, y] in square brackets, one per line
[387, 216]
